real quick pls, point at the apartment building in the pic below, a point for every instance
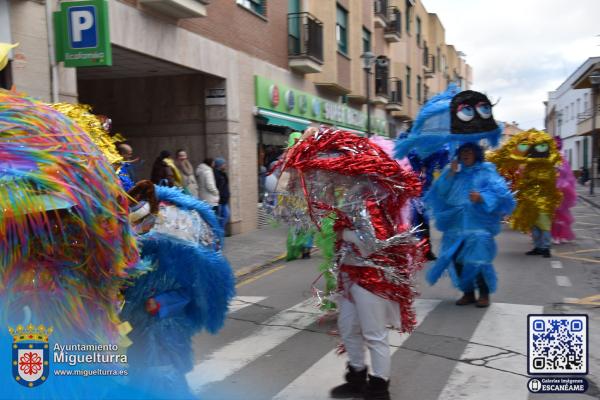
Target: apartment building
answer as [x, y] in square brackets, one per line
[569, 115]
[232, 78]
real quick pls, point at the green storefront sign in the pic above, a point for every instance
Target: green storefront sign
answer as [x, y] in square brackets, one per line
[286, 100]
[81, 33]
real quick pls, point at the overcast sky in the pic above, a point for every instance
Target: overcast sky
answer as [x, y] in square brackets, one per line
[521, 49]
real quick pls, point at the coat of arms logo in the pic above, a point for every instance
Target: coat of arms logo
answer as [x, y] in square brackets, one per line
[30, 354]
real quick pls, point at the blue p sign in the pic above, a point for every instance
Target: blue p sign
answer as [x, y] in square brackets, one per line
[83, 33]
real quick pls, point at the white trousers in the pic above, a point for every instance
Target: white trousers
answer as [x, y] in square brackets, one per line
[363, 320]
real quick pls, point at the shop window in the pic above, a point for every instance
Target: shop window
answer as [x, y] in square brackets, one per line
[341, 29]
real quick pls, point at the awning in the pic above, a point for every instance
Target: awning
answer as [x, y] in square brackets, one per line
[277, 119]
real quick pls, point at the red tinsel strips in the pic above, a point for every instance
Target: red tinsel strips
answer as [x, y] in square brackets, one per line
[383, 228]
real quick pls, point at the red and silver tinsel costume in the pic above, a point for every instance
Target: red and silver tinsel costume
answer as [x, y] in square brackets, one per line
[334, 171]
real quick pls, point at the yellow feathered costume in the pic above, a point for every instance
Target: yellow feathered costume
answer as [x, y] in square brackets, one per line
[529, 160]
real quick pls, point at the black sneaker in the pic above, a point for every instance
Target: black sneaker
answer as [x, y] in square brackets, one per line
[545, 253]
[356, 382]
[377, 389]
[534, 252]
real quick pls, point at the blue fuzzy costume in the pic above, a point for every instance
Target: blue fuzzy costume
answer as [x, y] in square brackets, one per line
[192, 284]
[453, 119]
[469, 227]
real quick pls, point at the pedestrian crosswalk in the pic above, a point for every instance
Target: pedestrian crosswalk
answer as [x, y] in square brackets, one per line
[492, 365]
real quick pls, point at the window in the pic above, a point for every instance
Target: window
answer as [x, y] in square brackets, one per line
[418, 31]
[425, 92]
[572, 110]
[408, 14]
[419, 97]
[585, 102]
[439, 60]
[425, 55]
[366, 40]
[341, 29]
[258, 6]
[408, 72]
[578, 106]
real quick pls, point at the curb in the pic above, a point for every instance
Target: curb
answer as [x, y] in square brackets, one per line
[590, 202]
[256, 267]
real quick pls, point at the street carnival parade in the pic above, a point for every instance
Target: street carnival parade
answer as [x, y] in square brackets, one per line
[422, 239]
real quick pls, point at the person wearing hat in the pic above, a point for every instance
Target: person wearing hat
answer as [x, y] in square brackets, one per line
[222, 182]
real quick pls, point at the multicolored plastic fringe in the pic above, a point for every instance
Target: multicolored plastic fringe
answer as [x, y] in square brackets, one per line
[529, 159]
[65, 240]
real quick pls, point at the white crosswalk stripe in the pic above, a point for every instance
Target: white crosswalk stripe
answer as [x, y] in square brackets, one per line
[493, 364]
[233, 357]
[313, 384]
[240, 302]
[499, 343]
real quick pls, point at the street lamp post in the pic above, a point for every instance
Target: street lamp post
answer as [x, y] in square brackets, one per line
[368, 59]
[595, 80]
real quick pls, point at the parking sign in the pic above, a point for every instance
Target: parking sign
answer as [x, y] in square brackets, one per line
[82, 34]
[82, 28]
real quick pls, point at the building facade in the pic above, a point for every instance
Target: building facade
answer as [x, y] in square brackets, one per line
[568, 115]
[233, 78]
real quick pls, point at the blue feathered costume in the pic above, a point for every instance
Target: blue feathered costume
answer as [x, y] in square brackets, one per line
[460, 120]
[190, 286]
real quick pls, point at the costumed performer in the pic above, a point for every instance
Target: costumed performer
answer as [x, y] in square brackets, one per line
[537, 157]
[187, 288]
[425, 167]
[65, 251]
[562, 225]
[470, 198]
[376, 253]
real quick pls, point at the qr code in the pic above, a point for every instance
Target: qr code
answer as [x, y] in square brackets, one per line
[557, 344]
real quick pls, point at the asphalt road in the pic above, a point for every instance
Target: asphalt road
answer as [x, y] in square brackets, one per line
[277, 345]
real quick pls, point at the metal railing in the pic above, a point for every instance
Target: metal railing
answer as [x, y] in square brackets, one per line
[587, 114]
[305, 36]
[394, 22]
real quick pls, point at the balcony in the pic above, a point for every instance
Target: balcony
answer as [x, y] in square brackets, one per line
[393, 31]
[305, 43]
[428, 65]
[584, 121]
[381, 13]
[395, 101]
[178, 9]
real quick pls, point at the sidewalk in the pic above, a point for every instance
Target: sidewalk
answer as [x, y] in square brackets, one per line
[250, 251]
[583, 192]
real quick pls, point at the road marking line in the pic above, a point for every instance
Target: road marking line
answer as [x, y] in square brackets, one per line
[314, 383]
[261, 275]
[570, 300]
[503, 327]
[562, 280]
[556, 264]
[590, 300]
[236, 355]
[240, 302]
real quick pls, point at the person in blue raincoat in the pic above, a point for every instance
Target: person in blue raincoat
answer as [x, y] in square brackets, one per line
[468, 203]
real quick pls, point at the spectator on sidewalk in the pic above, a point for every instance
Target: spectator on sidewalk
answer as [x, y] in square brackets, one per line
[207, 188]
[222, 181]
[165, 172]
[187, 172]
